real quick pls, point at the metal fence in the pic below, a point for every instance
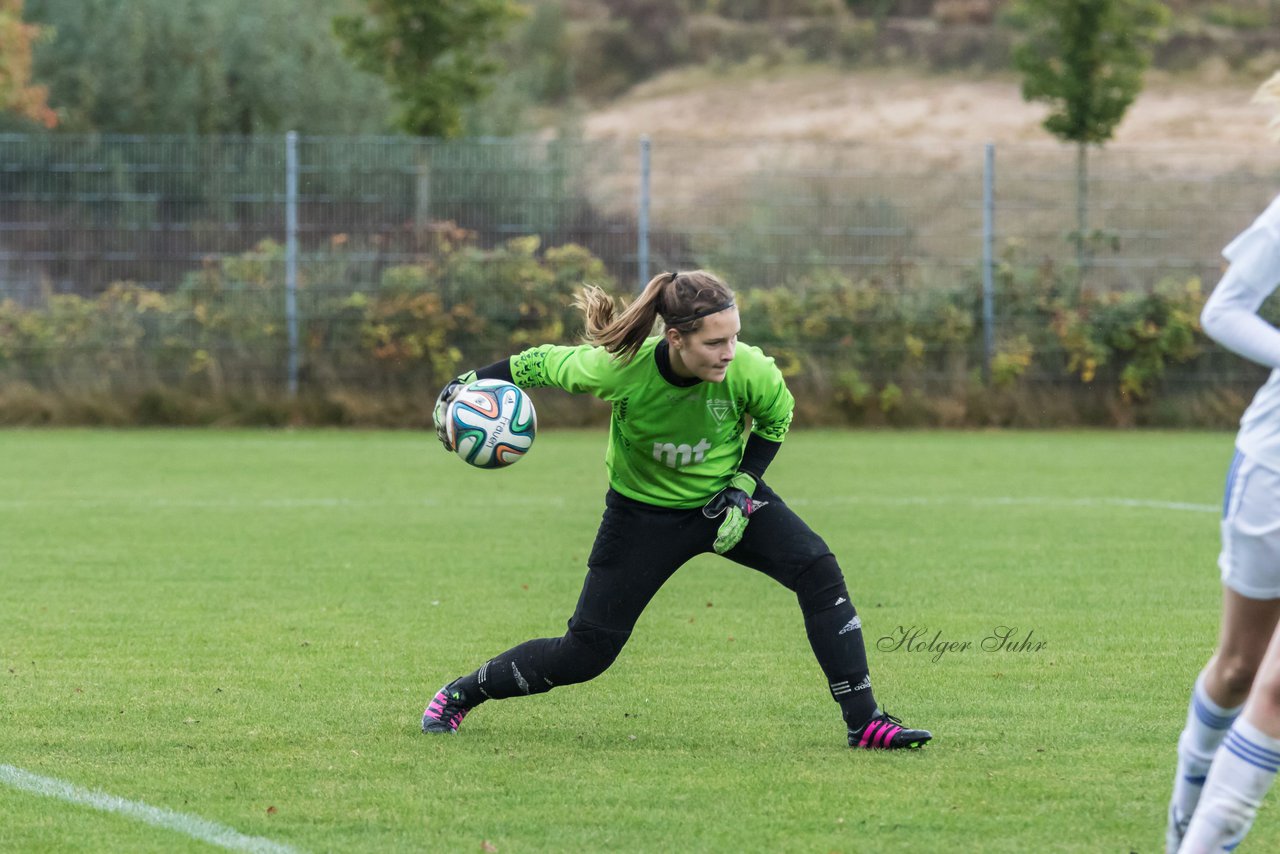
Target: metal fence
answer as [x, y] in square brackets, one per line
[80, 212]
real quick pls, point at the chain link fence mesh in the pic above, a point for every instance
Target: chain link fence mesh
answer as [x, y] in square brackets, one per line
[79, 213]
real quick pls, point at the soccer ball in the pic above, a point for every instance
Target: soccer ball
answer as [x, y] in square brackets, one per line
[491, 423]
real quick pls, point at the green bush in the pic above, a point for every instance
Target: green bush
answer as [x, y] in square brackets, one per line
[1131, 338]
[222, 334]
[855, 350]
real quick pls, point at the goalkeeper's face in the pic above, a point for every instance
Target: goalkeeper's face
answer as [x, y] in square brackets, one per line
[706, 352]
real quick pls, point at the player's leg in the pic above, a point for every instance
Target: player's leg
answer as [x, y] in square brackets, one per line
[1246, 630]
[1250, 564]
[1216, 698]
[778, 543]
[637, 548]
[1244, 767]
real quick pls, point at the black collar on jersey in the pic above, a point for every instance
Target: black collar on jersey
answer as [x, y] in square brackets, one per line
[662, 358]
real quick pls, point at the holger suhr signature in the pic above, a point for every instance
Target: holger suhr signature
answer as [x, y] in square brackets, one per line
[921, 639]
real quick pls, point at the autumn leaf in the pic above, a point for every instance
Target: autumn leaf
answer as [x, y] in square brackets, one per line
[16, 92]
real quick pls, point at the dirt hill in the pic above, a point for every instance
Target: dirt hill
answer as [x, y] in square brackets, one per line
[897, 107]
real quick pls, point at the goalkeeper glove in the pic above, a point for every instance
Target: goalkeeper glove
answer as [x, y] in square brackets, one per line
[735, 502]
[440, 414]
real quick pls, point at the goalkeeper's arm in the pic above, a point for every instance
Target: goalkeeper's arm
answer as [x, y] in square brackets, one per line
[757, 456]
[735, 501]
[500, 370]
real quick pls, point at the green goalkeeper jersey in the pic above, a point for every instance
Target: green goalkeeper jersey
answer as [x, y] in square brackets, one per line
[670, 444]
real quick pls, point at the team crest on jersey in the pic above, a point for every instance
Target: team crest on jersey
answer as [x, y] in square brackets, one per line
[720, 409]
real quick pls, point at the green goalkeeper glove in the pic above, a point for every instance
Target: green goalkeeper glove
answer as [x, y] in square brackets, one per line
[446, 396]
[735, 502]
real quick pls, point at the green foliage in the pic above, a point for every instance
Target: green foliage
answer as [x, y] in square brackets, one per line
[1010, 362]
[538, 65]
[877, 348]
[853, 349]
[620, 43]
[1122, 341]
[609, 60]
[432, 53]
[1134, 335]
[190, 66]
[473, 305]
[223, 330]
[254, 66]
[1086, 58]
[872, 345]
[1237, 17]
[650, 34]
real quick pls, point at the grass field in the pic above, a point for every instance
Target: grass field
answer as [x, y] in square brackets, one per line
[243, 628]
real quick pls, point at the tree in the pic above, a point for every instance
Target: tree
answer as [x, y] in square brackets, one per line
[192, 66]
[1086, 59]
[432, 53]
[17, 94]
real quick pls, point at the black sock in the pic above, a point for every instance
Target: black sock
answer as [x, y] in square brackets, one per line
[469, 686]
[514, 673]
[835, 633]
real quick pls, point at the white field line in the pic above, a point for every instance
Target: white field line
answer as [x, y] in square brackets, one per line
[1009, 501]
[558, 501]
[274, 503]
[188, 825]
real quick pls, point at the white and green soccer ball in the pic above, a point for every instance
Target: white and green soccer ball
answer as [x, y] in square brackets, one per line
[491, 423]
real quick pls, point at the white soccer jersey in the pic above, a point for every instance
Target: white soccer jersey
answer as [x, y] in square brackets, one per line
[1231, 318]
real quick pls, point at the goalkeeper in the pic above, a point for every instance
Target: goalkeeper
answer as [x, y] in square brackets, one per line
[683, 480]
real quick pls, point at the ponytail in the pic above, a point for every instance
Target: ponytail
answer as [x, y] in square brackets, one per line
[681, 300]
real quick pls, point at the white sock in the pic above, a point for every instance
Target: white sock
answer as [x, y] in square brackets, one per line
[1242, 772]
[1207, 724]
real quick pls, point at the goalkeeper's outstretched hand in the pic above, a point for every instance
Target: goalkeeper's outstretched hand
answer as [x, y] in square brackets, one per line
[446, 396]
[737, 505]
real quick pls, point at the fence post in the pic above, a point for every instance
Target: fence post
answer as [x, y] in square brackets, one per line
[988, 261]
[422, 186]
[642, 248]
[291, 254]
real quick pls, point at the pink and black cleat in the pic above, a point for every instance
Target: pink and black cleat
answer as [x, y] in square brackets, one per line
[885, 732]
[445, 711]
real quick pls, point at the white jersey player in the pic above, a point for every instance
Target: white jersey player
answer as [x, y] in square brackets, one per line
[1227, 760]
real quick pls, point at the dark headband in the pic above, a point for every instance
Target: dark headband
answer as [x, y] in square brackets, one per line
[689, 318]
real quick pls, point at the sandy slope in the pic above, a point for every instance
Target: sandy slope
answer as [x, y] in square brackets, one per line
[883, 107]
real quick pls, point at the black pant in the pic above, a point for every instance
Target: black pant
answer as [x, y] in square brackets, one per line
[638, 547]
